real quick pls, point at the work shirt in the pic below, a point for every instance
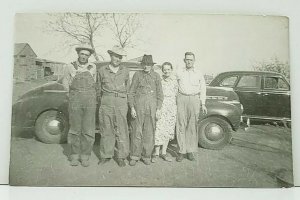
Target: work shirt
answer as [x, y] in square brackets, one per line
[70, 71]
[191, 82]
[144, 83]
[111, 82]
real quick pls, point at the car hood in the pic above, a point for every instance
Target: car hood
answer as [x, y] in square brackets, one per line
[221, 93]
[53, 86]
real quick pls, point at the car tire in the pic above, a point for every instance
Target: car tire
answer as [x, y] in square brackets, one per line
[52, 127]
[214, 133]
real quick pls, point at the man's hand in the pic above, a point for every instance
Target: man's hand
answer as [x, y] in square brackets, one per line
[203, 109]
[98, 99]
[133, 113]
[158, 114]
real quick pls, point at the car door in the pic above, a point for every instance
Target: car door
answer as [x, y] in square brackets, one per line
[248, 88]
[276, 97]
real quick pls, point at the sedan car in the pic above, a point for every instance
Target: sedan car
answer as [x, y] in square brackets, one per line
[264, 95]
[46, 110]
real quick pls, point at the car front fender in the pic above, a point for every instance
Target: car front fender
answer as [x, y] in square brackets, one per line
[26, 110]
[231, 111]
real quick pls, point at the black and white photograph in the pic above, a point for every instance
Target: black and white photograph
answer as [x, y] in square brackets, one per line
[151, 100]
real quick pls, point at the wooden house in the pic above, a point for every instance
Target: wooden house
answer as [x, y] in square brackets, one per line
[25, 63]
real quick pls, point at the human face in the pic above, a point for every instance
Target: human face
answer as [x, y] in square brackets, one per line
[167, 70]
[115, 59]
[147, 68]
[189, 61]
[83, 56]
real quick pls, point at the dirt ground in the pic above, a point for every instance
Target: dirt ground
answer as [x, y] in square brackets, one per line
[260, 156]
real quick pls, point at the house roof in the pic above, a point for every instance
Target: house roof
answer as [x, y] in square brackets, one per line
[47, 61]
[19, 47]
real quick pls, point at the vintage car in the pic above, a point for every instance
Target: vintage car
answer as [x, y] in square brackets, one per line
[264, 95]
[46, 110]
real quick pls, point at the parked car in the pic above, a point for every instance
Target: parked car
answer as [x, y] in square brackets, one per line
[264, 95]
[46, 110]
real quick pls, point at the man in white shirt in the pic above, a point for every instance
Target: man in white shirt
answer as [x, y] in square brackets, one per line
[190, 103]
[80, 81]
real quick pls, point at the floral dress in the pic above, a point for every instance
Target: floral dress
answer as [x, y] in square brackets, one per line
[165, 126]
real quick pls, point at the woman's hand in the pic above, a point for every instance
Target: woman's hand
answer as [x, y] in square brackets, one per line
[158, 114]
[133, 113]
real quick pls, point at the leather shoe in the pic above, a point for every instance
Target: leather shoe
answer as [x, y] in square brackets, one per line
[179, 157]
[85, 163]
[146, 161]
[154, 158]
[132, 162]
[190, 156]
[121, 162]
[74, 160]
[165, 157]
[103, 161]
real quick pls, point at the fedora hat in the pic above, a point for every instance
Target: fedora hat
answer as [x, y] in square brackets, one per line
[147, 60]
[117, 50]
[85, 47]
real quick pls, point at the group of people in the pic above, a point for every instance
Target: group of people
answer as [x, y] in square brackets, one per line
[158, 106]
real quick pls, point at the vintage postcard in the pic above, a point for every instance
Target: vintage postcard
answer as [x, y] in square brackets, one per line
[158, 100]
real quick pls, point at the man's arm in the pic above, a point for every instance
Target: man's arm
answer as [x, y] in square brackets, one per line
[94, 71]
[127, 84]
[98, 85]
[132, 90]
[159, 92]
[66, 78]
[202, 90]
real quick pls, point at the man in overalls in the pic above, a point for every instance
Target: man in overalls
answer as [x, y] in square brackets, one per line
[145, 101]
[112, 87]
[80, 81]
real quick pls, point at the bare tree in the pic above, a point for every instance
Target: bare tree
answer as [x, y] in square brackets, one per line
[274, 65]
[87, 28]
[124, 27]
[80, 27]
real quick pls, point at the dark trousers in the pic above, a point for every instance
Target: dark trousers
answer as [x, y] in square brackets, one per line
[82, 109]
[113, 127]
[143, 127]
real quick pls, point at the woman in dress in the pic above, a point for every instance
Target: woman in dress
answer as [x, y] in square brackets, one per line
[165, 125]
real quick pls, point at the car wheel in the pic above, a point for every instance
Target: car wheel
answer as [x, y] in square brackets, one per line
[52, 127]
[214, 133]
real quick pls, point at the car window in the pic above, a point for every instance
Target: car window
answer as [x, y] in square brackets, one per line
[228, 81]
[249, 81]
[275, 83]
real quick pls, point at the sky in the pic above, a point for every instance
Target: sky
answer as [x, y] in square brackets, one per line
[220, 42]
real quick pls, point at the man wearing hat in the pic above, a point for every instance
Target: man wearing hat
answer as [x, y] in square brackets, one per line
[80, 81]
[112, 87]
[145, 101]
